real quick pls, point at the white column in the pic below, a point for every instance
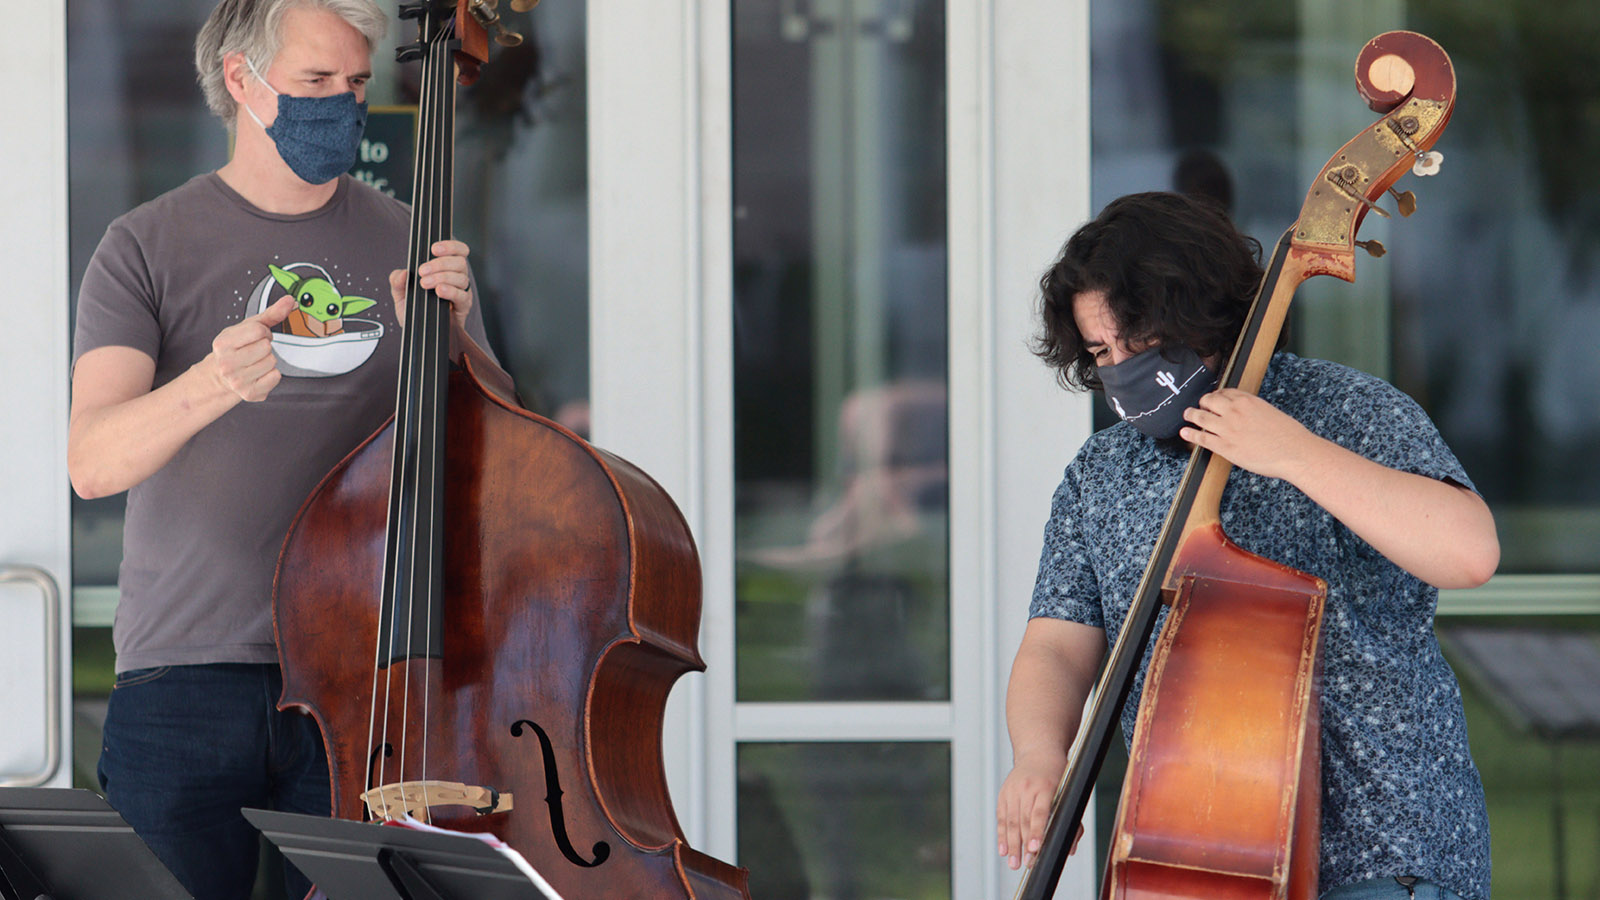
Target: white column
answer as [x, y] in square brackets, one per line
[35, 527]
[660, 330]
[1019, 185]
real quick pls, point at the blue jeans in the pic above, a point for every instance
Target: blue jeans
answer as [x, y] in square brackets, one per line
[186, 747]
[1389, 889]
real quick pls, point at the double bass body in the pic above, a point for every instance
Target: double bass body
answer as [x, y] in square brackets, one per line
[573, 596]
[1222, 798]
[484, 613]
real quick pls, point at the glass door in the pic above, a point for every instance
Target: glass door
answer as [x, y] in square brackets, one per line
[841, 481]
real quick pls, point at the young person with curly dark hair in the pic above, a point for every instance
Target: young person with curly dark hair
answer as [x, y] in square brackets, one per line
[1336, 473]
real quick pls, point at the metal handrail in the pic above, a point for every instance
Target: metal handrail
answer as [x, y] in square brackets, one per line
[52, 628]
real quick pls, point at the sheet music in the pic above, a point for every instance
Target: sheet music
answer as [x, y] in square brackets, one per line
[414, 824]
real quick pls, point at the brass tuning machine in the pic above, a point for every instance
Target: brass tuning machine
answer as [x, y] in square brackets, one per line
[488, 15]
[1405, 200]
[1347, 180]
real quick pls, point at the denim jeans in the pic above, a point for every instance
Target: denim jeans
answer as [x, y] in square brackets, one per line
[186, 747]
[1389, 889]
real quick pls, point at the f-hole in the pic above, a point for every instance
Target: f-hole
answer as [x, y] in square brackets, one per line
[384, 750]
[552, 797]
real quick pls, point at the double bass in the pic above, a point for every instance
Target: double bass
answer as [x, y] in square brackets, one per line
[483, 612]
[1223, 792]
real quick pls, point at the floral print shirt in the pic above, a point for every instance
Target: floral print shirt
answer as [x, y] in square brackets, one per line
[1400, 793]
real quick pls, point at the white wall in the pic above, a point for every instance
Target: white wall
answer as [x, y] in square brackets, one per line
[34, 510]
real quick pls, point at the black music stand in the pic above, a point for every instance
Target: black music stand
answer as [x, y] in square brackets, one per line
[362, 861]
[64, 844]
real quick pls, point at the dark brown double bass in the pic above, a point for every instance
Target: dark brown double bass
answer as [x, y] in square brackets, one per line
[483, 612]
[1223, 794]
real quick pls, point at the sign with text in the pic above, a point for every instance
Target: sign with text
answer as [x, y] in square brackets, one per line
[387, 150]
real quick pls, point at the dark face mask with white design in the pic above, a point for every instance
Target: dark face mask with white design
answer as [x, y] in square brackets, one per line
[1150, 391]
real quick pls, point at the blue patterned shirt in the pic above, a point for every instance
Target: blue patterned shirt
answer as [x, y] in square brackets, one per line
[1400, 794]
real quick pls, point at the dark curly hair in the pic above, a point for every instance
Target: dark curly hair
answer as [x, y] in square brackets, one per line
[1174, 270]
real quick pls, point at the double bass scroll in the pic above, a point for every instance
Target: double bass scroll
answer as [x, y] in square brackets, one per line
[1222, 796]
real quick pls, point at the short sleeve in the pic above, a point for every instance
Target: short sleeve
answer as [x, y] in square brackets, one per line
[116, 299]
[1390, 428]
[1371, 417]
[1066, 587]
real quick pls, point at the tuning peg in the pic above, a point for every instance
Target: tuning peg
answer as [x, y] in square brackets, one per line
[1374, 247]
[1405, 200]
[524, 5]
[485, 12]
[1345, 180]
[1428, 163]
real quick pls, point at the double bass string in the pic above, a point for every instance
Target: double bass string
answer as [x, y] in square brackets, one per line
[418, 403]
[439, 170]
[423, 323]
[393, 575]
[424, 550]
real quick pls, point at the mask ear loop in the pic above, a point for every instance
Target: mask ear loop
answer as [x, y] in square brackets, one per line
[261, 78]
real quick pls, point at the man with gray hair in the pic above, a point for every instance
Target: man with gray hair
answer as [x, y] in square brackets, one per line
[227, 355]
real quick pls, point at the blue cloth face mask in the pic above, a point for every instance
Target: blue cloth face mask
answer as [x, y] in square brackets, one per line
[318, 137]
[1151, 392]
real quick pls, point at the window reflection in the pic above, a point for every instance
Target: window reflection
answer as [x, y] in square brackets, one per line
[845, 820]
[1530, 689]
[522, 204]
[840, 348]
[1506, 313]
[137, 127]
[869, 556]
[1487, 308]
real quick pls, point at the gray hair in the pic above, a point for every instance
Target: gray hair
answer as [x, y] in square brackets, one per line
[254, 28]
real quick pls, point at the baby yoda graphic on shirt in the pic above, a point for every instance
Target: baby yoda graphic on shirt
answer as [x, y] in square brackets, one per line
[321, 310]
[320, 338]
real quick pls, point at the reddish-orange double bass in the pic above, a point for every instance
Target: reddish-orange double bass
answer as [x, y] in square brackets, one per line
[483, 612]
[1222, 797]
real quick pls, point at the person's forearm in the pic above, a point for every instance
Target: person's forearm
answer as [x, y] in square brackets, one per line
[1440, 532]
[1044, 702]
[112, 448]
[1050, 678]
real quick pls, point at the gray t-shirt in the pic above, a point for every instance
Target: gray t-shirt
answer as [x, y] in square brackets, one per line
[202, 534]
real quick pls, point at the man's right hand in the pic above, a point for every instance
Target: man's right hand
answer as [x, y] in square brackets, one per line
[1024, 809]
[242, 353]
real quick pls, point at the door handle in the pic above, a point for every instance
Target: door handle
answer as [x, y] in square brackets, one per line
[52, 672]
